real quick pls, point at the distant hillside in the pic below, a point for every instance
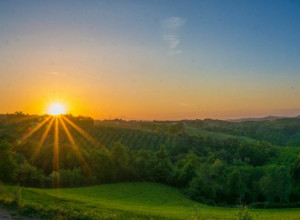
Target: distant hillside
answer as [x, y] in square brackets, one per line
[267, 118]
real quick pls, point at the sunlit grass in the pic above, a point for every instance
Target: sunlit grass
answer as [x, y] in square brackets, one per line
[129, 201]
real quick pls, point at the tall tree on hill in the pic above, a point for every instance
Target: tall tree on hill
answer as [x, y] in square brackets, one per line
[202, 187]
[188, 170]
[164, 170]
[296, 169]
[236, 188]
[143, 164]
[120, 160]
[101, 165]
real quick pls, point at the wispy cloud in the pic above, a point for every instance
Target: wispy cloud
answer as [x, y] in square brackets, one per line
[170, 35]
[174, 22]
[172, 39]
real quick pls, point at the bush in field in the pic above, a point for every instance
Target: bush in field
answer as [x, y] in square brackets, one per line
[17, 196]
[243, 214]
[70, 178]
[2, 189]
[28, 175]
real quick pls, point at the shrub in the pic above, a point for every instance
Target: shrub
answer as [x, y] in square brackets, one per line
[243, 214]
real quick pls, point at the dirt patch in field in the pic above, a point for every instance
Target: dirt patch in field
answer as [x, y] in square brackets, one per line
[7, 215]
[4, 215]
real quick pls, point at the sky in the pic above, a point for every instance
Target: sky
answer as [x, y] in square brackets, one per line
[145, 60]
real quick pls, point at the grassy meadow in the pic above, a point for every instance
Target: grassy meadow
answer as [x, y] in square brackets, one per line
[124, 201]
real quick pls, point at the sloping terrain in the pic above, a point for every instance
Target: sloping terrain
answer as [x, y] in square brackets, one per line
[130, 201]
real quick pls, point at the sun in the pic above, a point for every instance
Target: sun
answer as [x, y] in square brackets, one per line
[56, 109]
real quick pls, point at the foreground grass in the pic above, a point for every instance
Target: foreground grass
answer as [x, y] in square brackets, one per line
[123, 201]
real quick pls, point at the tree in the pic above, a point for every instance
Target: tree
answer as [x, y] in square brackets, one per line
[236, 188]
[7, 164]
[69, 178]
[202, 187]
[276, 184]
[296, 169]
[120, 160]
[164, 171]
[188, 170]
[101, 164]
[177, 128]
[28, 175]
[143, 164]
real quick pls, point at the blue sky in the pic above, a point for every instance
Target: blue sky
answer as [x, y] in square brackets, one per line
[199, 53]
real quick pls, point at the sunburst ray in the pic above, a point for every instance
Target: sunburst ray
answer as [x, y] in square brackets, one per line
[75, 147]
[56, 153]
[56, 147]
[26, 136]
[82, 132]
[35, 129]
[41, 141]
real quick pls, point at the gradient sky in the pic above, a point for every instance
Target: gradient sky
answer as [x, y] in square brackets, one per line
[151, 59]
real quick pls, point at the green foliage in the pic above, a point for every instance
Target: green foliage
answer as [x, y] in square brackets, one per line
[120, 159]
[101, 165]
[29, 175]
[7, 163]
[243, 214]
[177, 128]
[202, 187]
[143, 164]
[163, 171]
[71, 178]
[2, 189]
[227, 167]
[276, 184]
[188, 169]
[55, 179]
[17, 196]
[236, 188]
[296, 169]
[127, 201]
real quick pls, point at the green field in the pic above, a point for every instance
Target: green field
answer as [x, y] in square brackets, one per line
[123, 201]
